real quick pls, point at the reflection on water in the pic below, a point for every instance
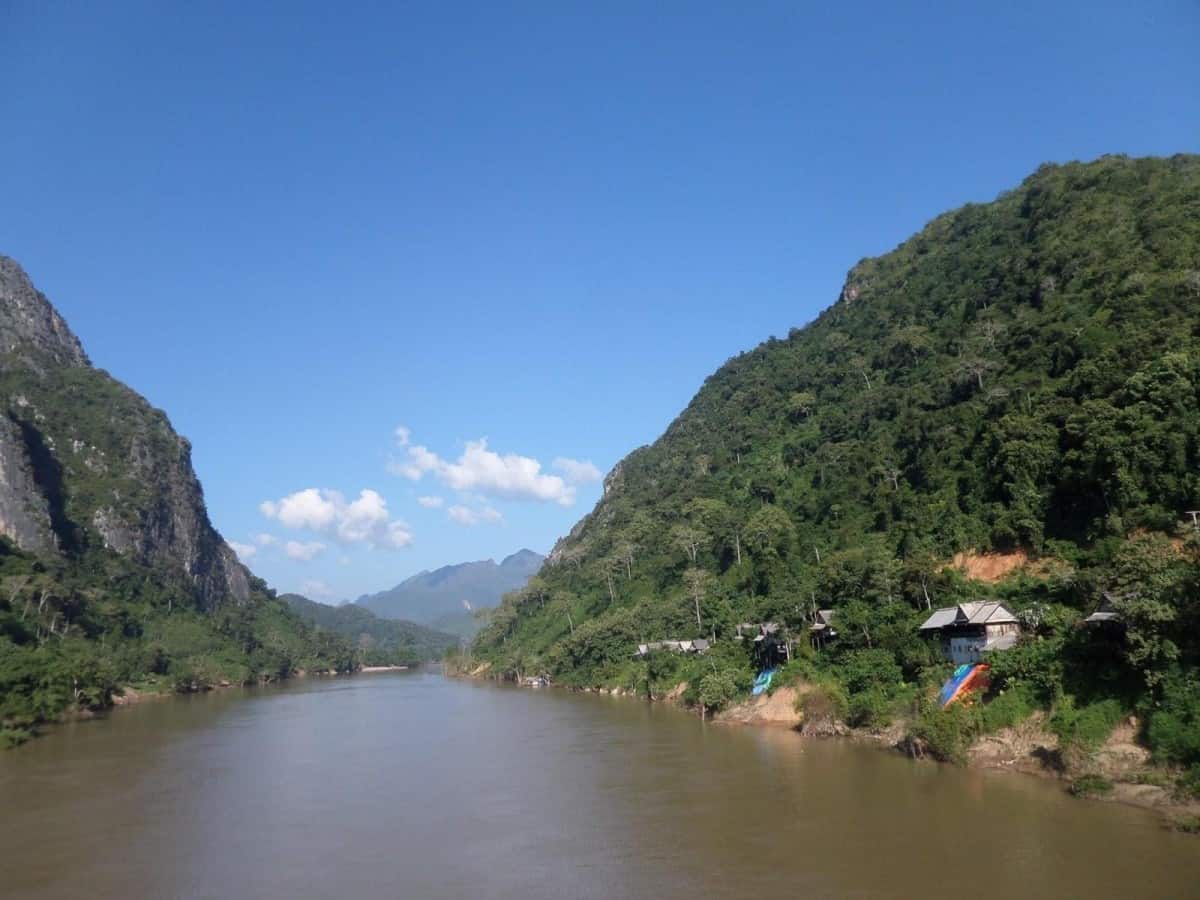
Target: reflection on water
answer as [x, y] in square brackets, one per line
[410, 785]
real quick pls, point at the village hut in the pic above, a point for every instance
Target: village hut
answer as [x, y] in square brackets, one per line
[969, 630]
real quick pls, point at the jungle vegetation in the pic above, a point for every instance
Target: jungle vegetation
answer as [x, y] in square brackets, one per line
[376, 641]
[75, 631]
[1020, 376]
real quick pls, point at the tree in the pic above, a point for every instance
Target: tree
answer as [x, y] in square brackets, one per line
[890, 473]
[610, 568]
[771, 530]
[690, 539]
[562, 602]
[714, 517]
[626, 551]
[716, 689]
[800, 404]
[973, 369]
[909, 343]
[990, 331]
[860, 365]
[1192, 281]
[1152, 587]
[697, 581]
[537, 591]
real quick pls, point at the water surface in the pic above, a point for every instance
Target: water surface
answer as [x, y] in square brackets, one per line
[415, 786]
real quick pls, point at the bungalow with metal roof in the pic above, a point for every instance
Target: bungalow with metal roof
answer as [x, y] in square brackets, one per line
[699, 645]
[770, 642]
[971, 629]
[821, 630]
[1106, 614]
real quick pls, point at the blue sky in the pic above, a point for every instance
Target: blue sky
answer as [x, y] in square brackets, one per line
[524, 232]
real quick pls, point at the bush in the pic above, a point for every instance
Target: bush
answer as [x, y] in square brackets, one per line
[1034, 666]
[1090, 786]
[12, 735]
[196, 673]
[717, 689]
[1151, 777]
[1006, 710]
[1188, 786]
[1174, 732]
[1085, 728]
[864, 670]
[871, 708]
[823, 705]
[1188, 824]
[946, 733]
[800, 668]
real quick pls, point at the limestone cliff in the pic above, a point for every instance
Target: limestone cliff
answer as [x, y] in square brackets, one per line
[86, 463]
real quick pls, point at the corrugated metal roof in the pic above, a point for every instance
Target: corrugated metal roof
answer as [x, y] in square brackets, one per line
[940, 618]
[976, 613]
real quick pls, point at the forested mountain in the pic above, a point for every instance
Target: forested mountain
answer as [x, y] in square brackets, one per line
[1021, 375]
[110, 570]
[446, 598]
[376, 641]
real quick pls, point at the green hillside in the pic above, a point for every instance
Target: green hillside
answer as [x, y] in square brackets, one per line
[1022, 374]
[111, 573]
[376, 641]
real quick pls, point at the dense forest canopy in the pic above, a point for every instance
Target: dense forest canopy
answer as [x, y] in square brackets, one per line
[1021, 375]
[75, 631]
[376, 641]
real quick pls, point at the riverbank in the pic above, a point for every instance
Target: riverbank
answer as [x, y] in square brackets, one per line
[149, 691]
[1120, 771]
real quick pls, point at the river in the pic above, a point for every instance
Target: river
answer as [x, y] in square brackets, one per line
[412, 785]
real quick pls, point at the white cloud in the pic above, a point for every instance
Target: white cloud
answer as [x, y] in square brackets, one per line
[265, 540]
[305, 550]
[316, 590]
[431, 502]
[309, 508]
[359, 521]
[245, 552]
[403, 435]
[362, 521]
[487, 472]
[577, 471]
[397, 535]
[464, 515]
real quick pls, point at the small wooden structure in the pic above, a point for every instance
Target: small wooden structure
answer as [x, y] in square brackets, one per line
[822, 630]
[699, 645]
[969, 630]
[770, 643]
[1106, 615]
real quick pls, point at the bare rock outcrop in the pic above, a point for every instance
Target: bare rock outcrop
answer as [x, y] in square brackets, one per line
[86, 462]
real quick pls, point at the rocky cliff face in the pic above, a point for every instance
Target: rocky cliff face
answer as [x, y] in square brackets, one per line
[29, 326]
[87, 464]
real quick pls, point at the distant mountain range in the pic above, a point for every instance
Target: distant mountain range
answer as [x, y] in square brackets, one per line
[446, 598]
[376, 640]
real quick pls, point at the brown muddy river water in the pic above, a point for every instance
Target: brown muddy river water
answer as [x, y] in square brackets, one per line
[416, 786]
